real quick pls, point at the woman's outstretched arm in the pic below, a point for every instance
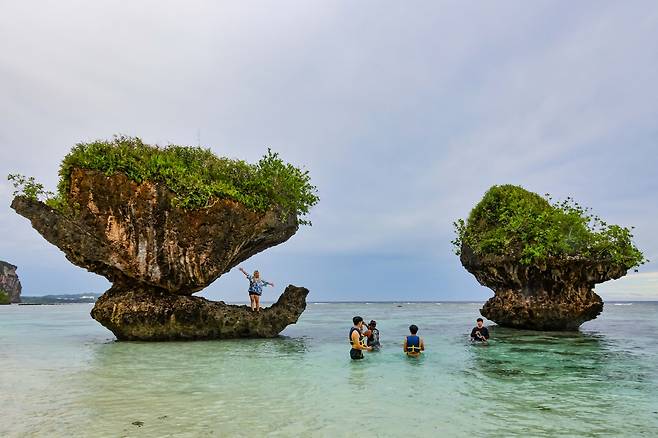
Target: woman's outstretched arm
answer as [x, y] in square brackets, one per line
[243, 271]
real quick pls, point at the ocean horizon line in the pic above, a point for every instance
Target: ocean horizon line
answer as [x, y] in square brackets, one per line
[398, 301]
[474, 301]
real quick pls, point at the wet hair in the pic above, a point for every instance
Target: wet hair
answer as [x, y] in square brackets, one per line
[357, 319]
[413, 329]
[479, 319]
[373, 323]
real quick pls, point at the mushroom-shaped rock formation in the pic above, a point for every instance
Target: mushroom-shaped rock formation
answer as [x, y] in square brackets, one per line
[542, 260]
[158, 241]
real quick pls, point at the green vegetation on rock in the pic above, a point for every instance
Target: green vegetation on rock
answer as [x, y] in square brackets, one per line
[4, 297]
[28, 187]
[194, 174]
[512, 222]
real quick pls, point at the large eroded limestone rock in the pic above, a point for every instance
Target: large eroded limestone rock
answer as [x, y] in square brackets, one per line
[555, 295]
[123, 229]
[155, 252]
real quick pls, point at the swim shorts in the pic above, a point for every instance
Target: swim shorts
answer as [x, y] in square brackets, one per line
[356, 354]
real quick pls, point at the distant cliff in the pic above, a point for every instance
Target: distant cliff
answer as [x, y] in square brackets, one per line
[9, 282]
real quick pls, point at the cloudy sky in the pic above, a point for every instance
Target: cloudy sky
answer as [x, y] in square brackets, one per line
[404, 113]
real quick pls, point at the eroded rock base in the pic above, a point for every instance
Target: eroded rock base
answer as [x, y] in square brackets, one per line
[542, 310]
[141, 313]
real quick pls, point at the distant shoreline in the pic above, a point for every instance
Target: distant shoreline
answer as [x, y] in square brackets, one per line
[35, 300]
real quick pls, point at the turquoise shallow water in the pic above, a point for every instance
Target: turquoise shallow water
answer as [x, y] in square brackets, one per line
[61, 374]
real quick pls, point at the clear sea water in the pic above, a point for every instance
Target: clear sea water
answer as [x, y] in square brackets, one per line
[62, 374]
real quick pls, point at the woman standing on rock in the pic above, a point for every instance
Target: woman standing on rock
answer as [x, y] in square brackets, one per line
[255, 288]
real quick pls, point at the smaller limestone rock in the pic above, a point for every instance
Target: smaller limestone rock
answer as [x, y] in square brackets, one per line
[542, 259]
[557, 294]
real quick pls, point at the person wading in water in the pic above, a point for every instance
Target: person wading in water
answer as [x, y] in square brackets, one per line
[355, 338]
[479, 333]
[256, 285]
[413, 344]
[373, 335]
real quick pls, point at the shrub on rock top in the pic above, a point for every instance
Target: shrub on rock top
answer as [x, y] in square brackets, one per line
[194, 174]
[514, 223]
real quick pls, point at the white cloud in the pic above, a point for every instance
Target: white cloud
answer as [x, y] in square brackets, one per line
[404, 115]
[639, 286]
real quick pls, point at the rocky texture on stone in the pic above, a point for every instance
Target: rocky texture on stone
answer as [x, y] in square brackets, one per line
[9, 282]
[153, 315]
[557, 294]
[121, 229]
[157, 255]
